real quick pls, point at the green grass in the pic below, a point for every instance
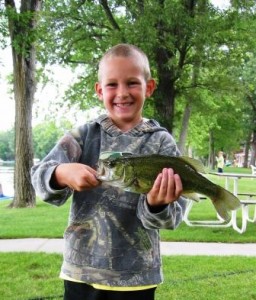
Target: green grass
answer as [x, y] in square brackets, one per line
[44, 220]
[211, 278]
[237, 170]
[30, 276]
[27, 276]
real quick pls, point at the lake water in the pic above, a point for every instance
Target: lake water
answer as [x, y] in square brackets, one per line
[6, 180]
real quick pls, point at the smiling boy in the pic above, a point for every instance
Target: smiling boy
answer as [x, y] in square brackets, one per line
[112, 241]
[124, 83]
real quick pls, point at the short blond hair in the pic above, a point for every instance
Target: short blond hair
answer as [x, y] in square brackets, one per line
[127, 50]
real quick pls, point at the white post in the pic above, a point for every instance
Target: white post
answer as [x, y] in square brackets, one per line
[1, 191]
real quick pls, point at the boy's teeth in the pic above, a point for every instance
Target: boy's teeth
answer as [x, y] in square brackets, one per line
[123, 104]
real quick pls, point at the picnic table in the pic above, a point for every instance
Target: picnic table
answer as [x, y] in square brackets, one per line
[245, 203]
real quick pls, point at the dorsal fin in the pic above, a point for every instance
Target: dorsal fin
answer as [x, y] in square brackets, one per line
[194, 163]
[113, 155]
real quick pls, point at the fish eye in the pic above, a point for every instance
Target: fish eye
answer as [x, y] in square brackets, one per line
[111, 164]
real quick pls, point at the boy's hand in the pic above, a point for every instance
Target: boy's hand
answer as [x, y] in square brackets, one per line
[166, 189]
[77, 176]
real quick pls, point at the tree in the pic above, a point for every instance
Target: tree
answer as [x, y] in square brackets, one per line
[248, 81]
[166, 30]
[22, 31]
[178, 36]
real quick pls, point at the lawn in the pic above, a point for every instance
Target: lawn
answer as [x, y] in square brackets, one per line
[34, 276]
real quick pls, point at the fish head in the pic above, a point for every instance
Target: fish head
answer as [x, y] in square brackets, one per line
[112, 169]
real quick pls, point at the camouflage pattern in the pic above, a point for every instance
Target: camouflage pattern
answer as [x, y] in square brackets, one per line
[112, 237]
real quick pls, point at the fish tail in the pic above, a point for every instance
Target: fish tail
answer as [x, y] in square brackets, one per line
[225, 202]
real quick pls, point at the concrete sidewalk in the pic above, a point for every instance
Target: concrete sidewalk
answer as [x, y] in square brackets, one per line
[167, 248]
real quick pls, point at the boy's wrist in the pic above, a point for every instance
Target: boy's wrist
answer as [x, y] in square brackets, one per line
[156, 208]
[54, 182]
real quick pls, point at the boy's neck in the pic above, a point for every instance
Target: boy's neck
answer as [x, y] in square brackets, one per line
[126, 126]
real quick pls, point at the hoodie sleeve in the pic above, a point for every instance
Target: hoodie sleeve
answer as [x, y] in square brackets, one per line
[169, 218]
[67, 150]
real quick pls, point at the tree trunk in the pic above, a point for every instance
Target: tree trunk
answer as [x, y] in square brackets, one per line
[253, 148]
[24, 89]
[211, 158]
[246, 151]
[23, 53]
[184, 128]
[165, 97]
[169, 73]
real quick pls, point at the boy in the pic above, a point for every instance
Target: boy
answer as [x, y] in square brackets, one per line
[112, 241]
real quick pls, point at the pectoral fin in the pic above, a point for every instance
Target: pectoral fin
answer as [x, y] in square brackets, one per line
[192, 196]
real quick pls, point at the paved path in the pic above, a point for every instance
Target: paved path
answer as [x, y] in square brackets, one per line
[167, 248]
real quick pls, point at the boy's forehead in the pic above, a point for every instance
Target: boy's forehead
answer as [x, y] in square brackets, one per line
[114, 62]
[136, 59]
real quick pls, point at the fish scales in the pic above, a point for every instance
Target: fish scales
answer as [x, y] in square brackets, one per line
[146, 169]
[137, 173]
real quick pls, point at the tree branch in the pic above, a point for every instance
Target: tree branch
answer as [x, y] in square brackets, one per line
[109, 14]
[10, 3]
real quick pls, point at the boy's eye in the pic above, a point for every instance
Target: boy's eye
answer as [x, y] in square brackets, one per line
[133, 83]
[111, 84]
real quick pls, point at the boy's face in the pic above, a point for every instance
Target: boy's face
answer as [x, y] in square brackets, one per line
[123, 90]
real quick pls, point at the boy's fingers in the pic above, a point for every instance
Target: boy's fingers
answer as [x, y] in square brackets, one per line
[166, 184]
[178, 185]
[166, 189]
[170, 185]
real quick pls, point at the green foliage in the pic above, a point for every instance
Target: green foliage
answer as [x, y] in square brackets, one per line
[212, 40]
[204, 52]
[22, 28]
[45, 136]
[3, 28]
[7, 150]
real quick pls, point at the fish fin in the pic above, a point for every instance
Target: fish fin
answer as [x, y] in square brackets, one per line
[192, 196]
[225, 202]
[113, 154]
[194, 163]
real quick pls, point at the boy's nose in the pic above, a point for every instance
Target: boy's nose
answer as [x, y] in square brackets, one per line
[122, 91]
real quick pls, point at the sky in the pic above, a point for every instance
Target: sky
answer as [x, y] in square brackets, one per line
[46, 96]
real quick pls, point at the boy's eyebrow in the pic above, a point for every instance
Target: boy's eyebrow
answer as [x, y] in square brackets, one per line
[115, 79]
[111, 80]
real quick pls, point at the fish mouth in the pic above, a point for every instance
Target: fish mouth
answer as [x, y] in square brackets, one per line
[107, 176]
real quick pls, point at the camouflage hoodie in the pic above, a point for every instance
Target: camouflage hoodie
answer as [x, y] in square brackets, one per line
[112, 237]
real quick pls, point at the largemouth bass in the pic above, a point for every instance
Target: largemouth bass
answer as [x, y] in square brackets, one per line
[137, 173]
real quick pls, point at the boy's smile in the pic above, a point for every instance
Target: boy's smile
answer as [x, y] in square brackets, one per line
[123, 90]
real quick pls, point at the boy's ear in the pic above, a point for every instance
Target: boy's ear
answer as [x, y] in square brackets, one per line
[98, 90]
[151, 86]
